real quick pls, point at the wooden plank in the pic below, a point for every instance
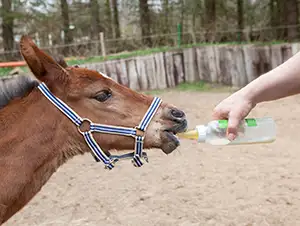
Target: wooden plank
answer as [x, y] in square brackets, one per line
[263, 64]
[142, 72]
[190, 66]
[170, 69]
[150, 70]
[199, 52]
[217, 62]
[211, 62]
[133, 75]
[160, 71]
[276, 56]
[240, 66]
[250, 59]
[225, 76]
[203, 64]
[110, 70]
[179, 75]
[286, 52]
[123, 77]
[295, 48]
[230, 66]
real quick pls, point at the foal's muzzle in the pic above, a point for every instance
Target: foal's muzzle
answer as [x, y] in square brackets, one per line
[178, 125]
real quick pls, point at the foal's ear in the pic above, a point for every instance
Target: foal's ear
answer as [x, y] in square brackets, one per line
[60, 60]
[42, 65]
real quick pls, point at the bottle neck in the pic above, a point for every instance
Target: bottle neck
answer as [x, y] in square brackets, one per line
[201, 129]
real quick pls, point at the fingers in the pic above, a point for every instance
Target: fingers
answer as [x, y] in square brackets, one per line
[220, 113]
[233, 124]
[233, 118]
[234, 115]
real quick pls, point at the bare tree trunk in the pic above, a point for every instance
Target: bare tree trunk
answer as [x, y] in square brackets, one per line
[166, 29]
[224, 36]
[68, 38]
[281, 11]
[7, 25]
[240, 19]
[288, 14]
[292, 19]
[210, 19]
[108, 20]
[196, 9]
[116, 23]
[145, 22]
[95, 20]
[182, 12]
[273, 18]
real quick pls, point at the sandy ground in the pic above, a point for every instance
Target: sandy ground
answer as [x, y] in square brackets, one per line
[196, 185]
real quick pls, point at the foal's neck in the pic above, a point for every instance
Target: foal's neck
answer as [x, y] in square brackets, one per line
[39, 125]
[36, 138]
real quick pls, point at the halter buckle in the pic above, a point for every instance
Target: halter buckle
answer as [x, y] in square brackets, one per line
[139, 132]
[84, 121]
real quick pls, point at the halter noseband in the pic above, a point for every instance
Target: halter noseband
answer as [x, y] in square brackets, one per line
[109, 161]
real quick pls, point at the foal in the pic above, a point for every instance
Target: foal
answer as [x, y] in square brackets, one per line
[36, 137]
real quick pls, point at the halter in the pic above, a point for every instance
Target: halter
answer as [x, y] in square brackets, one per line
[138, 133]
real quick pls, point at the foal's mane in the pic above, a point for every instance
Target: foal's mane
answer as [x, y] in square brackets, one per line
[18, 86]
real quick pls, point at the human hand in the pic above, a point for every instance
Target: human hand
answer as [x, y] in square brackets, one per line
[234, 108]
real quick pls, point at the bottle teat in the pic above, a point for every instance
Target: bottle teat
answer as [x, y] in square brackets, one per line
[190, 134]
[199, 134]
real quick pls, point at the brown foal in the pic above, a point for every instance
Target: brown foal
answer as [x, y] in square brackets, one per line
[36, 138]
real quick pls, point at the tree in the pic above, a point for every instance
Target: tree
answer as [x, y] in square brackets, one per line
[95, 20]
[145, 22]
[108, 20]
[7, 25]
[292, 19]
[240, 18]
[115, 19]
[66, 21]
[274, 22]
[210, 19]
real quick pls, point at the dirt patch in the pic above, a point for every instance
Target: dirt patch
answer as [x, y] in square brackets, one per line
[197, 185]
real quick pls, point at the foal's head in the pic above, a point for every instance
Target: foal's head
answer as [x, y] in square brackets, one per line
[93, 95]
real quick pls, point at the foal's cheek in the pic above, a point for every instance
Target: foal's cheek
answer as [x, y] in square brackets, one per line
[153, 134]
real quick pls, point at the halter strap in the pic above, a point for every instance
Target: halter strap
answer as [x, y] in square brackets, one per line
[138, 156]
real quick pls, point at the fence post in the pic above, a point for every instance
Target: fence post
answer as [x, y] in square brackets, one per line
[50, 39]
[179, 34]
[102, 41]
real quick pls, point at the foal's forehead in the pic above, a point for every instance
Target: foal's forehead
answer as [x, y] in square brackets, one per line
[89, 74]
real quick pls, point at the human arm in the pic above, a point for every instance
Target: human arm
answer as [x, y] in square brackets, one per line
[280, 82]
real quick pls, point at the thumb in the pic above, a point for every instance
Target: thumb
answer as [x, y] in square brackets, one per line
[233, 125]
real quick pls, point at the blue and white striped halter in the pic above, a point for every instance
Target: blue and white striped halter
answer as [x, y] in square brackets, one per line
[109, 161]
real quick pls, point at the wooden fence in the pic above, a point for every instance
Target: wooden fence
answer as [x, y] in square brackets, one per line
[229, 65]
[224, 64]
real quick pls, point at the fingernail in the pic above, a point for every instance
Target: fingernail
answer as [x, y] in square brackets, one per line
[231, 136]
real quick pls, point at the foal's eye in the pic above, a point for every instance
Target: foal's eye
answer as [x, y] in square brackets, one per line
[103, 95]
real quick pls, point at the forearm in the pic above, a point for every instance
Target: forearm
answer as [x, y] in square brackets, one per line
[280, 82]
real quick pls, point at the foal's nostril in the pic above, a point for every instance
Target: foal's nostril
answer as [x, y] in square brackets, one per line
[177, 113]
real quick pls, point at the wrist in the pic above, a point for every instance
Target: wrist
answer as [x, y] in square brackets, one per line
[255, 91]
[249, 94]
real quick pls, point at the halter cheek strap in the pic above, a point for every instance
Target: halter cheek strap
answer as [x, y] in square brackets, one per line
[138, 156]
